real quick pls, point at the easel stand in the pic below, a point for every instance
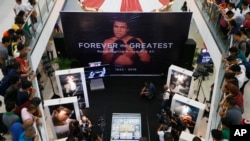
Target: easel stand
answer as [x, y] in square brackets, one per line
[96, 84]
[54, 93]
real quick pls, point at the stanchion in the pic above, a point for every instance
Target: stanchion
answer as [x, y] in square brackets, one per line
[49, 71]
[200, 88]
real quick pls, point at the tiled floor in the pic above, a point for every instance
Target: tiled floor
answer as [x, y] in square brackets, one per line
[7, 20]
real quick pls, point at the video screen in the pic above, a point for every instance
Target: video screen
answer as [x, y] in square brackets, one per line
[204, 57]
[95, 64]
[97, 71]
[187, 113]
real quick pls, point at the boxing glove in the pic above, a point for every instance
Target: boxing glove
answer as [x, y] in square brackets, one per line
[135, 44]
[119, 46]
[118, 49]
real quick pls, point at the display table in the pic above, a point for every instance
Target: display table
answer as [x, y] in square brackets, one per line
[126, 126]
[187, 136]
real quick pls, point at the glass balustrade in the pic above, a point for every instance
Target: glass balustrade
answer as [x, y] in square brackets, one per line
[210, 13]
[33, 27]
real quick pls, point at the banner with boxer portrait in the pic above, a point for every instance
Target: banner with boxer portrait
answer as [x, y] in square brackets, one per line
[132, 43]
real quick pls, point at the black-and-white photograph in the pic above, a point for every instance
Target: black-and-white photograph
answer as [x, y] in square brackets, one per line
[72, 83]
[179, 80]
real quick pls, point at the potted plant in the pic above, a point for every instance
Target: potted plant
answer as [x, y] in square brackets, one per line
[196, 56]
[63, 63]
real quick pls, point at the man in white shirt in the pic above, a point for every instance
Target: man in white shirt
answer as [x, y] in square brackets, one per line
[231, 60]
[163, 128]
[166, 97]
[244, 8]
[166, 93]
[19, 6]
[240, 75]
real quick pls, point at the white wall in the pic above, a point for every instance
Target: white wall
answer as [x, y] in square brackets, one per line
[40, 48]
[216, 57]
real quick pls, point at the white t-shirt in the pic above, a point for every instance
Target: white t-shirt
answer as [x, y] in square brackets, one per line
[19, 7]
[241, 78]
[166, 95]
[161, 133]
[242, 66]
[236, 2]
[244, 11]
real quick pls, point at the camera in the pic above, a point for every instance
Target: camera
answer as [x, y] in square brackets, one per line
[164, 117]
[86, 127]
[101, 123]
[204, 69]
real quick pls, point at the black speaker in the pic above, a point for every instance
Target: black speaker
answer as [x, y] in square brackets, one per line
[60, 46]
[187, 54]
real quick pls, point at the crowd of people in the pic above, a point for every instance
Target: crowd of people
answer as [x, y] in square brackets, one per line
[170, 124]
[234, 22]
[22, 106]
[22, 116]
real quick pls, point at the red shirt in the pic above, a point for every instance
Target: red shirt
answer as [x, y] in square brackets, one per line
[239, 100]
[24, 63]
[246, 24]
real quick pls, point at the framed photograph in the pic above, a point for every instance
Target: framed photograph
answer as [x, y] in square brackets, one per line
[72, 82]
[189, 111]
[180, 80]
[60, 113]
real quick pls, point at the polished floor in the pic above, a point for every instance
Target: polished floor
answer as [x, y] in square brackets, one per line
[7, 19]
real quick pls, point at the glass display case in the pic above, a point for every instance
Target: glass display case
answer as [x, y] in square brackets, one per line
[126, 126]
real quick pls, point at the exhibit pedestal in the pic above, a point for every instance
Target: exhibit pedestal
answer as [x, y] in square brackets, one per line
[187, 136]
[96, 84]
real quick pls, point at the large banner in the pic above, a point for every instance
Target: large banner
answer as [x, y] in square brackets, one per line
[132, 43]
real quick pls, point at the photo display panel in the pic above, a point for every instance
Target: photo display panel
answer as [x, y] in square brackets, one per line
[180, 81]
[188, 111]
[132, 43]
[60, 113]
[71, 83]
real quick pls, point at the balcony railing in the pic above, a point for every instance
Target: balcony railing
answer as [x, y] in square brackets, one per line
[43, 9]
[208, 8]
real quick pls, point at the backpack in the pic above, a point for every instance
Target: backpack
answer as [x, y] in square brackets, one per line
[4, 84]
[7, 65]
[247, 66]
[3, 128]
[247, 47]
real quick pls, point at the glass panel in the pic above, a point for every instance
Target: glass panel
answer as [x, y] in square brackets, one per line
[208, 9]
[33, 26]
